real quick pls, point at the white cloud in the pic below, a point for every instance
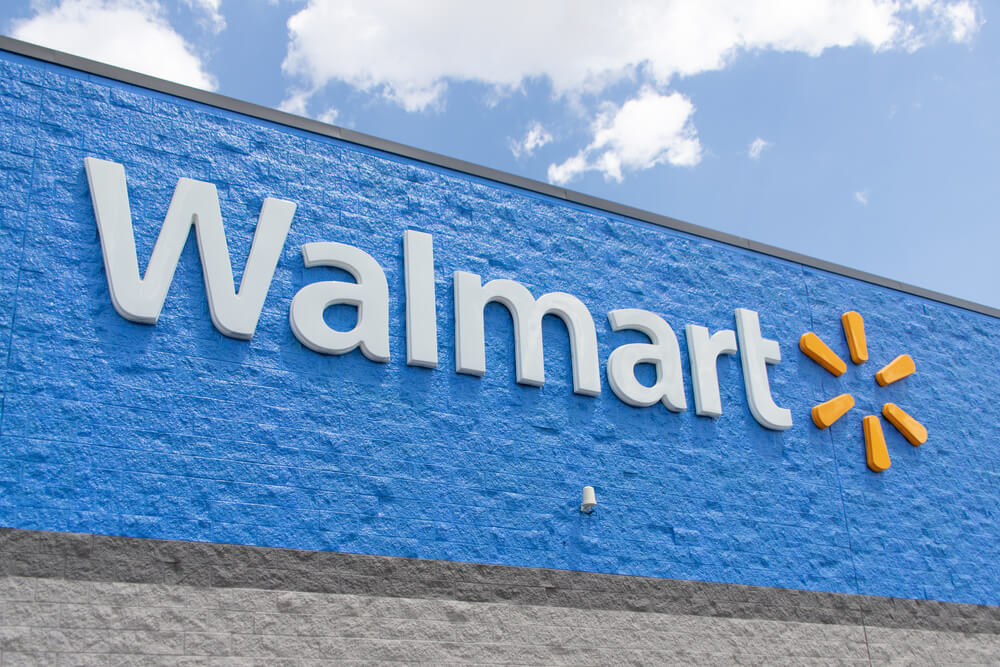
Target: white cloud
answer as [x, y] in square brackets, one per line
[645, 131]
[409, 51]
[296, 102]
[757, 147]
[861, 197]
[964, 20]
[127, 33]
[536, 137]
[214, 20]
[958, 20]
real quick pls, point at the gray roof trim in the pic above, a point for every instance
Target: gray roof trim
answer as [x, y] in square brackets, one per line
[309, 125]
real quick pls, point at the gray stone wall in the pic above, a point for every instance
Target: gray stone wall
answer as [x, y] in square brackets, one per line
[60, 622]
[93, 600]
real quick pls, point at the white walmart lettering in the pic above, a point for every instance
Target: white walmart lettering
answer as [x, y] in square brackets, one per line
[235, 313]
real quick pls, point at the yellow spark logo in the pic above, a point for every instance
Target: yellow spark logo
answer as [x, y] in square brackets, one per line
[830, 411]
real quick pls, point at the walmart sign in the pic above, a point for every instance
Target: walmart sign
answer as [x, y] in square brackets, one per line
[235, 313]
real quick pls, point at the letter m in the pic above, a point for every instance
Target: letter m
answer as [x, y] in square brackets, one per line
[195, 203]
[471, 296]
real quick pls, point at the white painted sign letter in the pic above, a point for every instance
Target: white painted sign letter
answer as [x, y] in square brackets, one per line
[370, 295]
[195, 203]
[704, 351]
[663, 352]
[471, 296]
[421, 305]
[755, 353]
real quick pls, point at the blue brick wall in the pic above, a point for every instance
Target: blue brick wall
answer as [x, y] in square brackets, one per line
[174, 431]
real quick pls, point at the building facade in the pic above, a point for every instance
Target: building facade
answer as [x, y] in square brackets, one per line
[351, 417]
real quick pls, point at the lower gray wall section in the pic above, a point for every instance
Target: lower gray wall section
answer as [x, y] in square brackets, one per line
[68, 599]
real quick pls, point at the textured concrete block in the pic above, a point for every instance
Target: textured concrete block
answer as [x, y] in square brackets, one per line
[99, 623]
[208, 644]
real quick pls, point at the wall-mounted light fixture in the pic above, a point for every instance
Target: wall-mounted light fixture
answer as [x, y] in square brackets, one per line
[589, 500]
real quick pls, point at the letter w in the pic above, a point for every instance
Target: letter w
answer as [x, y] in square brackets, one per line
[196, 203]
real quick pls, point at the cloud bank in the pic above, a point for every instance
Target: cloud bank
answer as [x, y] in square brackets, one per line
[409, 53]
[128, 33]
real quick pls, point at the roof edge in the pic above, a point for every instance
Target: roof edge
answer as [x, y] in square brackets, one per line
[60, 58]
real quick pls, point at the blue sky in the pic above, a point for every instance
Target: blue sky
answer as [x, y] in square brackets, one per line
[862, 132]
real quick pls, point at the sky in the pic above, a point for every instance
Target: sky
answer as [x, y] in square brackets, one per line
[862, 132]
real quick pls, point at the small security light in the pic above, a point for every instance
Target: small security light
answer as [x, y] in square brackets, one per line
[589, 500]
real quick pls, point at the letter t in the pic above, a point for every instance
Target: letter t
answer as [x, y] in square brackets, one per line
[755, 353]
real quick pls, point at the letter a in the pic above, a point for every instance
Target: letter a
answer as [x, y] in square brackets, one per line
[663, 352]
[370, 295]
